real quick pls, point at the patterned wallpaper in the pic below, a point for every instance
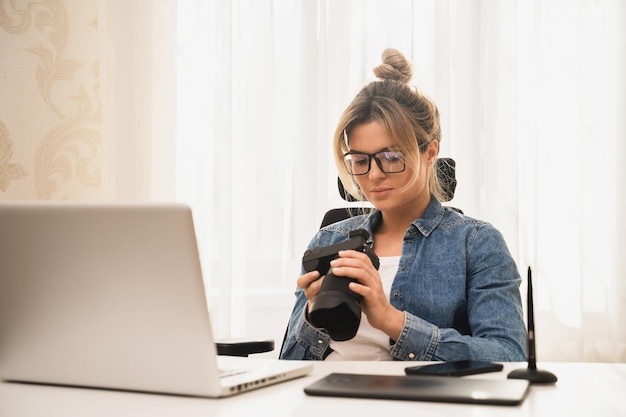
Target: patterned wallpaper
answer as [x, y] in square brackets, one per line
[50, 103]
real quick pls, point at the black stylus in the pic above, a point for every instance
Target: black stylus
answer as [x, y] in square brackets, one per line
[531, 373]
[532, 358]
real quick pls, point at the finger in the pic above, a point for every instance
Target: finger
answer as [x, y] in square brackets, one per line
[312, 290]
[360, 289]
[352, 258]
[304, 281]
[353, 268]
[353, 254]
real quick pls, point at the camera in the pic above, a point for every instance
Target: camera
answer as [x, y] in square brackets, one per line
[337, 308]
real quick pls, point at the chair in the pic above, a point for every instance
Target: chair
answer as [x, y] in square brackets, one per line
[446, 171]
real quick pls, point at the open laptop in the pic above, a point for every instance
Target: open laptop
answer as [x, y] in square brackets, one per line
[111, 296]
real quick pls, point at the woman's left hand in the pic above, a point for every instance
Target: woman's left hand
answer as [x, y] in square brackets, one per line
[375, 305]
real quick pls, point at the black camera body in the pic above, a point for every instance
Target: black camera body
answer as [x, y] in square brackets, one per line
[337, 308]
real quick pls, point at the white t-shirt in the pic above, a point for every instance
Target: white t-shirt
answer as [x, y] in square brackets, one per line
[368, 343]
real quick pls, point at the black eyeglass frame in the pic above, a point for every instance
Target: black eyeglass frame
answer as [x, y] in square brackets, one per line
[373, 156]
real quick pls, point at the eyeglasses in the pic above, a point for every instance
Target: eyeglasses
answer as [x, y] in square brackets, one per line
[389, 162]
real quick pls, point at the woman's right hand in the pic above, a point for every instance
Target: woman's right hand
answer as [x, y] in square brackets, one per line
[311, 282]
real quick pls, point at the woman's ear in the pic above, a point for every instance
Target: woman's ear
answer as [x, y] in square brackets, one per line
[431, 152]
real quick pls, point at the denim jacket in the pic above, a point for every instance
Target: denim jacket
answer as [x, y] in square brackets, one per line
[456, 282]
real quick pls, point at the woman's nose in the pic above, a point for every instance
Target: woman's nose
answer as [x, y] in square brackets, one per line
[375, 171]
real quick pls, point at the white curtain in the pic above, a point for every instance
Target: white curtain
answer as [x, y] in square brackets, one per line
[229, 105]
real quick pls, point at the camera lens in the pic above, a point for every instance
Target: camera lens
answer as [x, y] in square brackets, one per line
[336, 308]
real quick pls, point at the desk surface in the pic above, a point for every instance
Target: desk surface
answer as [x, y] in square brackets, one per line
[583, 389]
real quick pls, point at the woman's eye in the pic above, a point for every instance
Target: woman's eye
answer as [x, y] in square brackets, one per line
[392, 156]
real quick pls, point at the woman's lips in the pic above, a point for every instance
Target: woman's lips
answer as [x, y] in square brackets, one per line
[380, 192]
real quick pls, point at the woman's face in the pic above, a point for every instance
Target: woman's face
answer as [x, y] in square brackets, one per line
[387, 191]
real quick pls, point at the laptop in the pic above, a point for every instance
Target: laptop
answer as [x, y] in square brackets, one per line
[422, 388]
[111, 296]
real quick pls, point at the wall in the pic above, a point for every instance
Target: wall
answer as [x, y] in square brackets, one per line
[51, 142]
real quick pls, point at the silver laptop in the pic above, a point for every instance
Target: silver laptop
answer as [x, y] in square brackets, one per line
[111, 296]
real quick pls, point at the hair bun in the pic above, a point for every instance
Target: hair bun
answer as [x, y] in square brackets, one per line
[394, 67]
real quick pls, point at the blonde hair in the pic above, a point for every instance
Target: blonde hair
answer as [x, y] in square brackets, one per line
[410, 118]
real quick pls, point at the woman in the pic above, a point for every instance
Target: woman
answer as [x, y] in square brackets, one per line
[447, 287]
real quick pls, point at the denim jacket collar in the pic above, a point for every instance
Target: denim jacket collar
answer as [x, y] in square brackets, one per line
[431, 218]
[429, 221]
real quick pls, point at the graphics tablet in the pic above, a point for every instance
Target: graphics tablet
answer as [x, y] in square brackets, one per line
[421, 388]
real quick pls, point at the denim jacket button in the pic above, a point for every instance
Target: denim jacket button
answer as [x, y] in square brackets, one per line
[396, 294]
[411, 355]
[320, 342]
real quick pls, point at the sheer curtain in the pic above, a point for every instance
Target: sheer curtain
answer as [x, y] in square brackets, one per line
[230, 107]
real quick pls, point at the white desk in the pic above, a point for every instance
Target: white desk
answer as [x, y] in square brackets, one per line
[583, 389]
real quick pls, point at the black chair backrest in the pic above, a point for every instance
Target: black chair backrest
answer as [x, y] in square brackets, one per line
[446, 172]
[338, 214]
